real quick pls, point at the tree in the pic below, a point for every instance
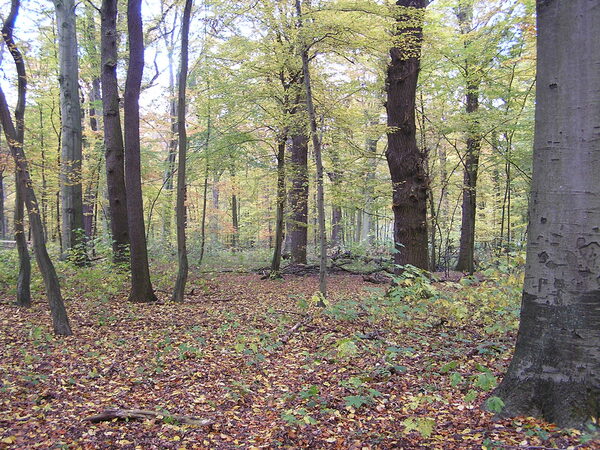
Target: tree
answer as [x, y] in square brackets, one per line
[113, 134]
[405, 160]
[555, 371]
[14, 136]
[71, 140]
[472, 75]
[181, 164]
[141, 286]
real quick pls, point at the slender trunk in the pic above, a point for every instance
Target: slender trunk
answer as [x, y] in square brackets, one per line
[113, 135]
[555, 370]
[14, 137]
[141, 286]
[371, 152]
[91, 191]
[44, 195]
[24, 279]
[336, 225]
[182, 274]
[466, 253]
[319, 163]
[203, 222]
[234, 214]
[279, 223]
[73, 239]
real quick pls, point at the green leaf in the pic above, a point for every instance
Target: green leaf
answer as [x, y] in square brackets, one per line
[448, 367]
[471, 395]
[456, 379]
[423, 425]
[494, 404]
[356, 401]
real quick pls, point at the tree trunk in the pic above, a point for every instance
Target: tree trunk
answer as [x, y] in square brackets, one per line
[14, 137]
[298, 195]
[73, 238]
[319, 163]
[279, 223]
[24, 279]
[2, 212]
[336, 225]
[141, 286]
[470, 161]
[91, 191]
[555, 371]
[405, 161]
[113, 135]
[181, 216]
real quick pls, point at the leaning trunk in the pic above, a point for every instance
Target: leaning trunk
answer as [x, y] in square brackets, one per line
[24, 279]
[555, 371]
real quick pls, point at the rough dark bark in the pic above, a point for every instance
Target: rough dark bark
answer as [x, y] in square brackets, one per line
[14, 136]
[73, 238]
[113, 135]
[24, 278]
[279, 222]
[405, 160]
[298, 195]
[181, 215]
[235, 222]
[470, 161]
[555, 371]
[90, 196]
[141, 286]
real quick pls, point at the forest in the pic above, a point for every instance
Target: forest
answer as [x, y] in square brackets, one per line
[345, 224]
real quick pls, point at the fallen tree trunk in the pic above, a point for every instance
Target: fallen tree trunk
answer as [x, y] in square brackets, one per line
[145, 414]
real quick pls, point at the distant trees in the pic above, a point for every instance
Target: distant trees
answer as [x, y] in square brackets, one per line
[14, 136]
[555, 371]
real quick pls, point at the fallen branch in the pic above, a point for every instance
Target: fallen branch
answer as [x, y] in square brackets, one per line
[292, 330]
[145, 414]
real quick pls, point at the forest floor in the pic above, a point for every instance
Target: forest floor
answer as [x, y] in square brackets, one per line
[267, 368]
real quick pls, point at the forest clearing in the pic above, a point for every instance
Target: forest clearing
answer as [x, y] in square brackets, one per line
[347, 224]
[410, 370]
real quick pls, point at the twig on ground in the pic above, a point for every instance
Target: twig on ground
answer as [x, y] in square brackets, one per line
[145, 414]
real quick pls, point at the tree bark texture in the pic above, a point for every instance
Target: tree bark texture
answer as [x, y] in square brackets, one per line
[298, 194]
[73, 238]
[24, 278]
[405, 161]
[14, 136]
[466, 254]
[279, 222]
[141, 286]
[320, 203]
[181, 215]
[555, 371]
[113, 134]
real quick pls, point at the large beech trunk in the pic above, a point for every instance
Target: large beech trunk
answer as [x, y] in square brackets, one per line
[141, 287]
[279, 223]
[298, 195]
[73, 238]
[113, 134]
[405, 161]
[14, 136]
[555, 371]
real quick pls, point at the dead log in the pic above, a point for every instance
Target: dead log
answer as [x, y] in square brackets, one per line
[146, 414]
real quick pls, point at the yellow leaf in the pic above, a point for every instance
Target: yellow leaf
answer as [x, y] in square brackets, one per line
[9, 440]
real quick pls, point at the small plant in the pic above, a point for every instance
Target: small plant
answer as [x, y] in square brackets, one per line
[423, 425]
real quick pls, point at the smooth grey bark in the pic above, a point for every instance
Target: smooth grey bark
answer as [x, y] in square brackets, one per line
[113, 134]
[71, 135]
[181, 215]
[555, 370]
[14, 136]
[141, 286]
[371, 157]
